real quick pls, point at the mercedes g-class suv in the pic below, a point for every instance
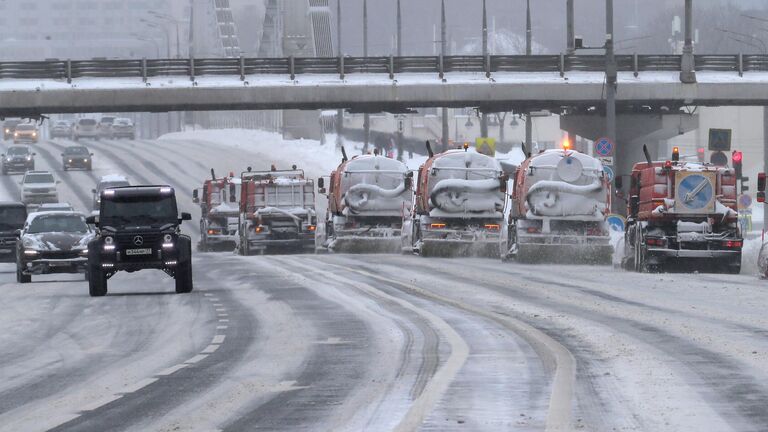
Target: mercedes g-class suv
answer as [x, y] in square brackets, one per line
[139, 228]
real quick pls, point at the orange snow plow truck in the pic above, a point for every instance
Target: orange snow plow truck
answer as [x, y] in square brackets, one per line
[459, 209]
[368, 197]
[682, 214]
[277, 212]
[559, 204]
[219, 211]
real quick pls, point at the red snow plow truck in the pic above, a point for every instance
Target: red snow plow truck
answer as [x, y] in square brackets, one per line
[682, 214]
[219, 209]
[277, 212]
[368, 197]
[559, 204]
[459, 205]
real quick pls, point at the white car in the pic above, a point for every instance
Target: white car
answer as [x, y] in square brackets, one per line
[57, 207]
[86, 128]
[39, 187]
[107, 182]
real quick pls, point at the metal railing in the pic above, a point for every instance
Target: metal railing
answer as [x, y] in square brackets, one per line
[342, 66]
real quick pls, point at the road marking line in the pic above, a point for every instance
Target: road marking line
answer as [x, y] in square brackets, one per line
[207, 294]
[223, 315]
[214, 299]
[210, 349]
[222, 327]
[217, 305]
[218, 339]
[221, 309]
[223, 320]
[172, 369]
[139, 385]
[100, 403]
[196, 359]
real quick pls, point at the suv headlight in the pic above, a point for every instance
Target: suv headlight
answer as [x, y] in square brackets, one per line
[31, 252]
[108, 240]
[83, 252]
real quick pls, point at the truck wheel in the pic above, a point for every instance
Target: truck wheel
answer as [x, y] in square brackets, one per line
[97, 282]
[22, 278]
[184, 278]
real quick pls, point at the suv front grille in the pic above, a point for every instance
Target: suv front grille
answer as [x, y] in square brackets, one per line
[59, 254]
[127, 240]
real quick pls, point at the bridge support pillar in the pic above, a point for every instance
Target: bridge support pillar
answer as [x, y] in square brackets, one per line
[633, 131]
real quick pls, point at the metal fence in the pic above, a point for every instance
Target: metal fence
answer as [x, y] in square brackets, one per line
[342, 66]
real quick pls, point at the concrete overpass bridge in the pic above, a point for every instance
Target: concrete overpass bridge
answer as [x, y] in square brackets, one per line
[395, 84]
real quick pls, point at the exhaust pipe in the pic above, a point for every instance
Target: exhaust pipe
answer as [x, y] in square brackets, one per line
[213, 175]
[344, 157]
[647, 154]
[429, 150]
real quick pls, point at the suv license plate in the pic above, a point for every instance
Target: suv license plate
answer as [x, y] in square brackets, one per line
[145, 251]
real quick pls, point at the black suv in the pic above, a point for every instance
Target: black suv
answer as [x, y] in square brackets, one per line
[12, 217]
[18, 159]
[77, 157]
[139, 228]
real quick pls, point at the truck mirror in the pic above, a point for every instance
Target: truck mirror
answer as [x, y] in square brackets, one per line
[408, 183]
[186, 216]
[232, 193]
[634, 205]
[321, 183]
[195, 196]
[93, 191]
[91, 220]
[619, 183]
[17, 233]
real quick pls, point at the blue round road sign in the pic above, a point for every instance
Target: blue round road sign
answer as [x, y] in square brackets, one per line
[609, 173]
[616, 222]
[696, 192]
[604, 147]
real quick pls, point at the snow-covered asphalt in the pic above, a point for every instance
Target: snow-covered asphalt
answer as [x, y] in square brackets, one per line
[369, 342]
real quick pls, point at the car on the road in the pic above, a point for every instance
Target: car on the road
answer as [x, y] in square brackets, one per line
[107, 182]
[55, 207]
[123, 128]
[9, 127]
[18, 159]
[12, 217]
[105, 126]
[86, 128]
[39, 187]
[26, 133]
[62, 129]
[77, 157]
[52, 242]
[139, 228]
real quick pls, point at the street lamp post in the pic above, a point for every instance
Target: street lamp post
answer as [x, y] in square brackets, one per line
[176, 23]
[483, 115]
[159, 27]
[528, 51]
[611, 74]
[443, 52]
[339, 52]
[366, 116]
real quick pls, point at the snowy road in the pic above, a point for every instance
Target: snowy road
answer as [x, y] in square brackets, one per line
[369, 343]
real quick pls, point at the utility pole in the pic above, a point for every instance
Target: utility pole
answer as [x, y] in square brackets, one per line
[366, 116]
[571, 29]
[483, 115]
[399, 30]
[191, 28]
[443, 51]
[688, 73]
[340, 53]
[528, 51]
[611, 75]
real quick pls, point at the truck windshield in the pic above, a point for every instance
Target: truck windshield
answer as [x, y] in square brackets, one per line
[58, 223]
[12, 217]
[138, 210]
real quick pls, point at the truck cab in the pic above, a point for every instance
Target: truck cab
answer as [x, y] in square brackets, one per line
[139, 228]
[219, 201]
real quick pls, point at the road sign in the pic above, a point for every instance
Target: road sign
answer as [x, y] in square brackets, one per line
[606, 160]
[720, 139]
[745, 201]
[609, 173]
[486, 146]
[719, 159]
[604, 147]
[694, 192]
[616, 222]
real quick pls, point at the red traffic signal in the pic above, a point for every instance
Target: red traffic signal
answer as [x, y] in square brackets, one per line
[701, 153]
[761, 187]
[737, 157]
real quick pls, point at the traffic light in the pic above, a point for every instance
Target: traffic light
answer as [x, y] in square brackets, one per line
[701, 153]
[761, 187]
[737, 157]
[675, 154]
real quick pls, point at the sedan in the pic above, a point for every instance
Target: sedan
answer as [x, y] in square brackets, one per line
[52, 242]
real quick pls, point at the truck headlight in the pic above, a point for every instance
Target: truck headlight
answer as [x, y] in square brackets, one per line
[108, 240]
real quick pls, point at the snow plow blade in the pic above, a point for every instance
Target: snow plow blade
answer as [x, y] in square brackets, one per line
[365, 245]
[455, 249]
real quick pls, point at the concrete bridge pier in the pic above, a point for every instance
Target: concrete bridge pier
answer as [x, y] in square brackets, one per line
[633, 131]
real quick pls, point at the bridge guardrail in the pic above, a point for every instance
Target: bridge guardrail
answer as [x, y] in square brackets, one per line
[147, 68]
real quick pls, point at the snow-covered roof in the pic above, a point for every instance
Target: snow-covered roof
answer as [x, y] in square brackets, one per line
[35, 215]
[369, 163]
[113, 178]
